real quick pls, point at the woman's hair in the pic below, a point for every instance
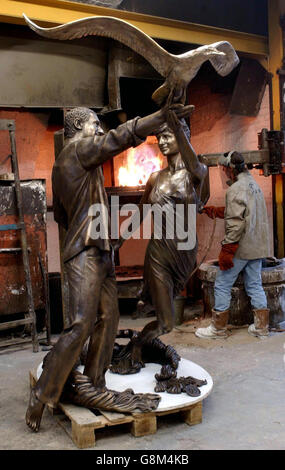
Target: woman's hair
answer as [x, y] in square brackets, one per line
[76, 113]
[184, 126]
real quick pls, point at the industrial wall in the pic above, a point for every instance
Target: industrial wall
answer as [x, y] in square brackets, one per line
[213, 130]
[235, 16]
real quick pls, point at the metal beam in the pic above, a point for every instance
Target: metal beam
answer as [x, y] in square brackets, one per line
[255, 157]
[275, 63]
[275, 57]
[55, 12]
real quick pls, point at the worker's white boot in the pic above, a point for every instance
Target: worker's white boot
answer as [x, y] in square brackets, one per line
[217, 327]
[261, 322]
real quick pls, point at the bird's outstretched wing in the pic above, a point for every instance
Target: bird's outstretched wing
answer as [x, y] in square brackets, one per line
[221, 54]
[110, 27]
[178, 70]
[224, 64]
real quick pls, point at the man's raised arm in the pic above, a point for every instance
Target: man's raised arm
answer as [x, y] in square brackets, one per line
[94, 151]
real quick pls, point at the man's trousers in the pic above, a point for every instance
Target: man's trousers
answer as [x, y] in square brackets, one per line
[93, 311]
[252, 282]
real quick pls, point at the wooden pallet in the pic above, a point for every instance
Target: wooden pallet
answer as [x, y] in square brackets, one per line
[81, 423]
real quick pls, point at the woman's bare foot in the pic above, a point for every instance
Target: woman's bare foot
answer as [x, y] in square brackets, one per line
[34, 412]
[136, 355]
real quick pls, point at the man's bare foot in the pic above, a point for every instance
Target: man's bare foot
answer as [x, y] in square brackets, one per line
[34, 412]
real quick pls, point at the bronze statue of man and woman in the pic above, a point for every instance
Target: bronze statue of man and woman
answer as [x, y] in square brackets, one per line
[77, 182]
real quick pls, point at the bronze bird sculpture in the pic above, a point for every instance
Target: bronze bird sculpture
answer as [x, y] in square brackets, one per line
[178, 70]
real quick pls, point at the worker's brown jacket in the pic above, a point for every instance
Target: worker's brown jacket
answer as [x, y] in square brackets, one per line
[246, 219]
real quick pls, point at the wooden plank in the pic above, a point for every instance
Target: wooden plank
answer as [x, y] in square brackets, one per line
[14, 324]
[82, 436]
[81, 416]
[80, 423]
[83, 424]
[115, 417]
[144, 424]
[168, 412]
[17, 341]
[193, 415]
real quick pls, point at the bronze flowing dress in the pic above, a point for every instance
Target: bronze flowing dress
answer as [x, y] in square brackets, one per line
[163, 259]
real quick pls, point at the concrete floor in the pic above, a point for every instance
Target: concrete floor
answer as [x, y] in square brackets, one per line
[245, 409]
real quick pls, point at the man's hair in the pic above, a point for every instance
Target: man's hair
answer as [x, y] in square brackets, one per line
[71, 115]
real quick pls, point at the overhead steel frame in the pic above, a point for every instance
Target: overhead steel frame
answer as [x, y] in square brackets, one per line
[59, 11]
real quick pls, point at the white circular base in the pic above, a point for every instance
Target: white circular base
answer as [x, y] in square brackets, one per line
[144, 382]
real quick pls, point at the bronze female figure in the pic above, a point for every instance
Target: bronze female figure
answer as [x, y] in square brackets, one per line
[168, 268]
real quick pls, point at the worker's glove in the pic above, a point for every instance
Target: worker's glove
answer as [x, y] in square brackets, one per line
[214, 212]
[226, 256]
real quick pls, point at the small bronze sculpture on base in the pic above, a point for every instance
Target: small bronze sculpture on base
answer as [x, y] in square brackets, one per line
[175, 385]
[155, 351]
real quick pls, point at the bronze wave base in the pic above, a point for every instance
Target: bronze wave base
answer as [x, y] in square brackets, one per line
[80, 390]
[155, 351]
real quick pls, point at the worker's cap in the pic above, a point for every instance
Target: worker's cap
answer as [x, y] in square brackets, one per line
[232, 159]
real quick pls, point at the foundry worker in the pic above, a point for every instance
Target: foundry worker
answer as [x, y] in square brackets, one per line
[78, 184]
[245, 243]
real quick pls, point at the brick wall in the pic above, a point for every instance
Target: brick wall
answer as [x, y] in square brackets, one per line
[213, 130]
[35, 150]
[34, 141]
